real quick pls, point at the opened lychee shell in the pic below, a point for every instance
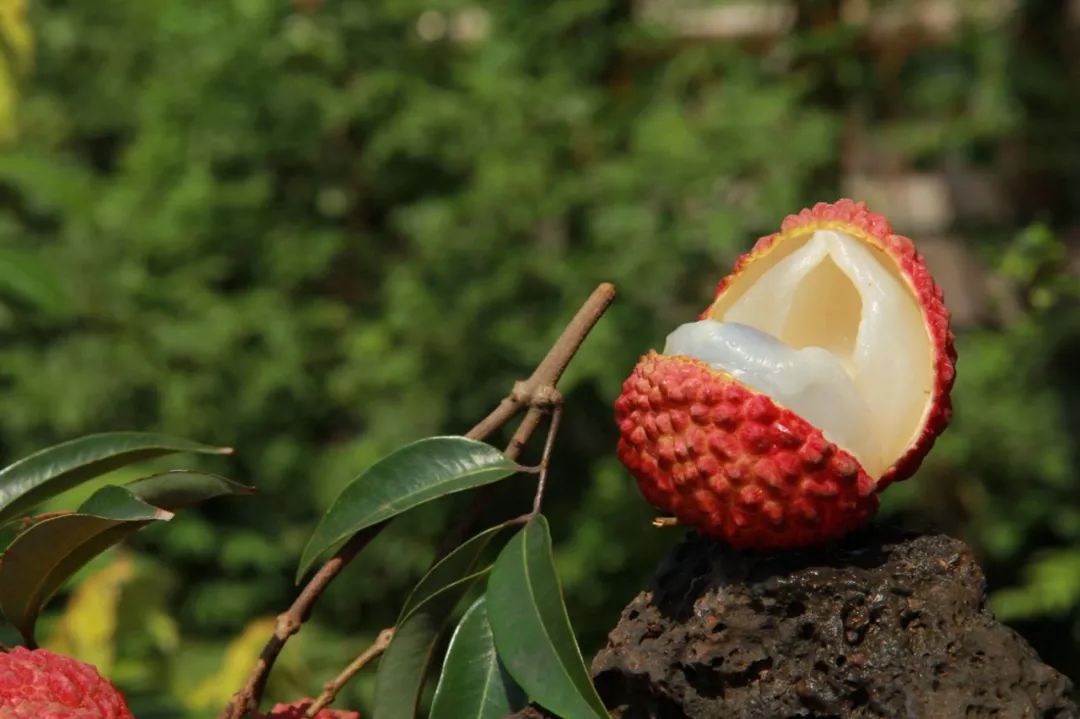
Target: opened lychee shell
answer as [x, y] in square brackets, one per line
[820, 373]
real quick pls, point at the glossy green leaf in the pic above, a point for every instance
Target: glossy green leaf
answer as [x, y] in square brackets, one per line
[42, 558]
[464, 563]
[532, 630]
[403, 668]
[53, 470]
[417, 473]
[474, 683]
[120, 503]
[422, 622]
[404, 665]
[183, 488]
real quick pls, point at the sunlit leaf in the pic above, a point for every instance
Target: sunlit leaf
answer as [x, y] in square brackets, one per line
[532, 630]
[88, 626]
[1051, 587]
[415, 474]
[16, 38]
[16, 45]
[53, 470]
[41, 559]
[474, 683]
[208, 695]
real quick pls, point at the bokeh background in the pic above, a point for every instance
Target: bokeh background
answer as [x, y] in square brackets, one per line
[316, 230]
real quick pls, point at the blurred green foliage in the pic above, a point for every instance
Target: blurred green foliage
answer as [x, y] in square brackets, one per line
[314, 232]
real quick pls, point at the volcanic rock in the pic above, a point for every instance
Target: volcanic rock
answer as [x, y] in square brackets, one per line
[884, 624]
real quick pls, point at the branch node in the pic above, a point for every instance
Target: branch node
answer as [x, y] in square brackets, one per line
[522, 392]
[332, 687]
[285, 626]
[546, 397]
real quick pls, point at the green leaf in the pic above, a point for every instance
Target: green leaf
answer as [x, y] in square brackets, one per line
[423, 620]
[50, 184]
[474, 683]
[182, 488]
[532, 630]
[28, 277]
[459, 565]
[41, 559]
[1051, 587]
[53, 470]
[120, 503]
[404, 666]
[417, 473]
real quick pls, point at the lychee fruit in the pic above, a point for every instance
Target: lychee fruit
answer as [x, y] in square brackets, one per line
[37, 684]
[819, 374]
[298, 710]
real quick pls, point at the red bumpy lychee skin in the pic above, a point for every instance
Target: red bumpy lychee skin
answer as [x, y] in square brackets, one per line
[729, 461]
[38, 684]
[298, 710]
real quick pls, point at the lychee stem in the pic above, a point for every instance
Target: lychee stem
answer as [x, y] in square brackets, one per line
[536, 391]
[332, 687]
[545, 459]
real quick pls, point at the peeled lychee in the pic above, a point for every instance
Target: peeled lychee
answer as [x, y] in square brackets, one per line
[37, 684]
[820, 373]
[298, 710]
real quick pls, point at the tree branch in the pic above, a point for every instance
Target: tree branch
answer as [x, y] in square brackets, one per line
[551, 368]
[545, 459]
[289, 622]
[332, 687]
[538, 393]
[498, 417]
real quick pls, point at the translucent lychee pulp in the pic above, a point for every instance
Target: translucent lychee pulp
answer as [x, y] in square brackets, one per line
[828, 328]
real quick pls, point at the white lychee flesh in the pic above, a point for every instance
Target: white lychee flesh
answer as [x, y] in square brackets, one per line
[810, 381]
[831, 331]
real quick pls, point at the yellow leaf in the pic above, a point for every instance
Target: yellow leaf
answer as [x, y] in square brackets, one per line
[8, 95]
[15, 32]
[240, 656]
[16, 53]
[87, 628]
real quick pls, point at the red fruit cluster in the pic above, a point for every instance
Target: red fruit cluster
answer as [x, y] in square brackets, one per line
[298, 710]
[41, 685]
[732, 463]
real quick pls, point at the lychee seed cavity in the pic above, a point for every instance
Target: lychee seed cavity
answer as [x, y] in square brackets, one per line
[830, 330]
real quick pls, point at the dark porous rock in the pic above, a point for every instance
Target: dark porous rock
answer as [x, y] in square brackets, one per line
[884, 624]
